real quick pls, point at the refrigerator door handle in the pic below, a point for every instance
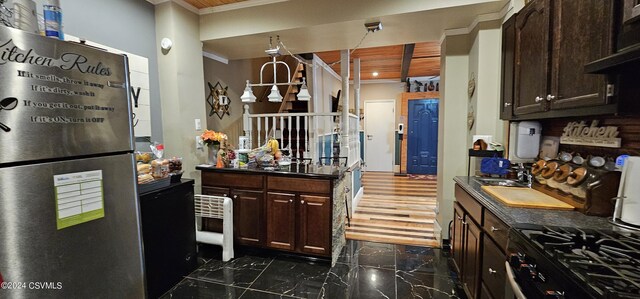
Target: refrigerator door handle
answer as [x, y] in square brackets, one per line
[116, 84]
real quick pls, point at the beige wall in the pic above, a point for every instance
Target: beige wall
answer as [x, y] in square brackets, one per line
[181, 94]
[379, 91]
[452, 143]
[479, 53]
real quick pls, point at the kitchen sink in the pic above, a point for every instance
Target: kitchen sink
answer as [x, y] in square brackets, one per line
[500, 182]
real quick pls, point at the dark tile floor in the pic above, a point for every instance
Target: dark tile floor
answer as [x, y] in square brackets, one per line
[364, 270]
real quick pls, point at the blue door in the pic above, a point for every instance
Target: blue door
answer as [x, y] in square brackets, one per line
[422, 137]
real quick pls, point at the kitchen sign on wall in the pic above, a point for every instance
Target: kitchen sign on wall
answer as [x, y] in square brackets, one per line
[139, 78]
[580, 133]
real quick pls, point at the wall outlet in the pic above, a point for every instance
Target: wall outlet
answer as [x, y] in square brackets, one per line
[198, 124]
[199, 142]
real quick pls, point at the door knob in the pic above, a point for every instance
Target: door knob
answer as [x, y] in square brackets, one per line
[494, 229]
[235, 196]
[369, 137]
[550, 97]
[302, 202]
[507, 105]
[539, 99]
[491, 271]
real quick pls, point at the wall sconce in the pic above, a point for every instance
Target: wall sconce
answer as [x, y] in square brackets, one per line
[218, 100]
[275, 96]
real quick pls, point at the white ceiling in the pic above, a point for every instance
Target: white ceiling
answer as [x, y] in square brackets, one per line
[244, 33]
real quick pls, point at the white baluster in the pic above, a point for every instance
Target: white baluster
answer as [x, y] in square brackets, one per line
[306, 134]
[289, 124]
[275, 128]
[282, 132]
[266, 129]
[259, 131]
[298, 136]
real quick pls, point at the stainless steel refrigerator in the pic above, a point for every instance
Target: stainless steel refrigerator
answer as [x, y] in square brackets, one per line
[69, 214]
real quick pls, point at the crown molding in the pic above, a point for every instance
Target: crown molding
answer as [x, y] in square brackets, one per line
[182, 3]
[219, 8]
[215, 57]
[499, 15]
[238, 5]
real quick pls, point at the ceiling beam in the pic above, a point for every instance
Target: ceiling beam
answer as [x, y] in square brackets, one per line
[406, 61]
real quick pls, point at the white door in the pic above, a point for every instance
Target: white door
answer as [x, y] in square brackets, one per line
[379, 125]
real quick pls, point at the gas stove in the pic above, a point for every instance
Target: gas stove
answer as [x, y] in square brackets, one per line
[556, 262]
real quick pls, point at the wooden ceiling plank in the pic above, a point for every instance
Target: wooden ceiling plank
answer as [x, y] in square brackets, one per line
[406, 61]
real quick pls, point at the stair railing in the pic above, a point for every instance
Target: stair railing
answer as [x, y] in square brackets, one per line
[308, 135]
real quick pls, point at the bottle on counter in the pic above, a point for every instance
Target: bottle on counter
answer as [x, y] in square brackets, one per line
[53, 19]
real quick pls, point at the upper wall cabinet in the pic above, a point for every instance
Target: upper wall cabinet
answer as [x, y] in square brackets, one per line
[552, 41]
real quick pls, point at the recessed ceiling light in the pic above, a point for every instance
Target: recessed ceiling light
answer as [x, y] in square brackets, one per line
[375, 74]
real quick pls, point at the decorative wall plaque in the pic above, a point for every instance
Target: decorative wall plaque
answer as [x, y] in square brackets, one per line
[591, 135]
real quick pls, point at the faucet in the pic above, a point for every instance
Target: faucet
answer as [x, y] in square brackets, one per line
[524, 175]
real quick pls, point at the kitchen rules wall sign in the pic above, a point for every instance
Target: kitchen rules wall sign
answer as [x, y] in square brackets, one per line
[580, 133]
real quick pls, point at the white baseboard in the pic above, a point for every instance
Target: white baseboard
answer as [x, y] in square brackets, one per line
[356, 200]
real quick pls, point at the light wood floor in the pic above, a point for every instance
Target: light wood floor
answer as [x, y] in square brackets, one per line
[395, 209]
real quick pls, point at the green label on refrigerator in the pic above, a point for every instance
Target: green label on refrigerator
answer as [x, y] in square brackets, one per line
[79, 197]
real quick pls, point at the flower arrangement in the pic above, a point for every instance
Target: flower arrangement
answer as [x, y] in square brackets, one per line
[211, 137]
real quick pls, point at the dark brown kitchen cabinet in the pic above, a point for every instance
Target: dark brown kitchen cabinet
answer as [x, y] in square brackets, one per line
[315, 226]
[478, 247]
[281, 214]
[532, 57]
[472, 258]
[285, 213]
[247, 216]
[553, 42]
[508, 67]
[493, 270]
[458, 236]
[582, 32]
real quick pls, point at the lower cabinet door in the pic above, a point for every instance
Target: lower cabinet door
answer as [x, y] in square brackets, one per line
[458, 237]
[247, 217]
[484, 293]
[472, 258]
[315, 224]
[493, 271]
[281, 220]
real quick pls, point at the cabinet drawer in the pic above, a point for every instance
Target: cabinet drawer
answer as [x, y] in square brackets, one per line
[496, 229]
[493, 271]
[299, 185]
[469, 204]
[237, 180]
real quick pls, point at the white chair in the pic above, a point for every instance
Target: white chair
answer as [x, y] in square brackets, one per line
[216, 207]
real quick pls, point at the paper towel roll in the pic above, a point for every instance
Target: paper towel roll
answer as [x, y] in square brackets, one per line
[630, 190]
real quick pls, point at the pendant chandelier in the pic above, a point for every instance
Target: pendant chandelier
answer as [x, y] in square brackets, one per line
[275, 96]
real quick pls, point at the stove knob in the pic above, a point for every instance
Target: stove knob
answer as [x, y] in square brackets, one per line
[553, 295]
[529, 270]
[515, 259]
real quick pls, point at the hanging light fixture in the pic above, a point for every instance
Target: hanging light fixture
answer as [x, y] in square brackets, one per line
[303, 94]
[247, 95]
[275, 96]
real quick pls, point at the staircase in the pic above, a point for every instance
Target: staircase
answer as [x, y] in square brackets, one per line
[294, 132]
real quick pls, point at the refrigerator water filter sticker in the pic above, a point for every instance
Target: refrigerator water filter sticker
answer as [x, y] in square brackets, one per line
[79, 197]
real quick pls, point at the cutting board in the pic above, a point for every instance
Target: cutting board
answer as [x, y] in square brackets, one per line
[525, 198]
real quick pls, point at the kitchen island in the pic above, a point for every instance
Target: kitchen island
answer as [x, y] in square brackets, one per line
[298, 209]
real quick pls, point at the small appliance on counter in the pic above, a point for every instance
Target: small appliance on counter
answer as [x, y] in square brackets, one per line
[524, 141]
[627, 208]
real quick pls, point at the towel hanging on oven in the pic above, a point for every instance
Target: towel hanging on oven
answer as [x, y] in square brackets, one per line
[495, 165]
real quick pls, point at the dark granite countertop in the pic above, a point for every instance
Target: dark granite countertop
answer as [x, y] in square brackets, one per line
[515, 216]
[293, 170]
